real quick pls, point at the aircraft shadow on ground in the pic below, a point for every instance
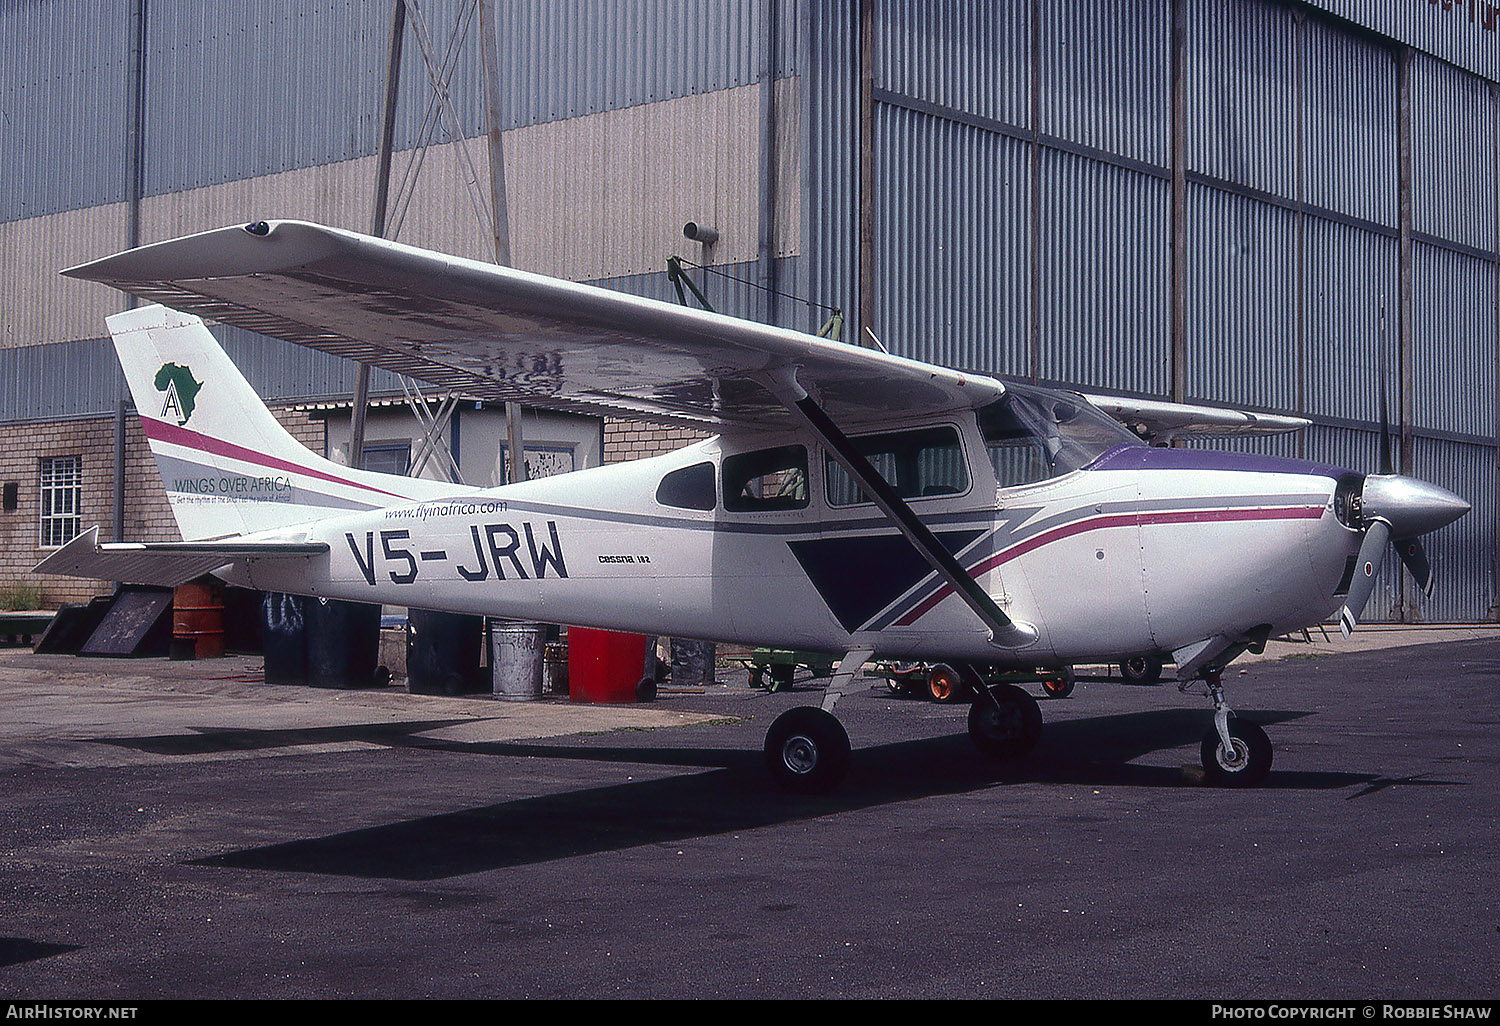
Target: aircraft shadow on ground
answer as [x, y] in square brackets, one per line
[15, 950]
[734, 795]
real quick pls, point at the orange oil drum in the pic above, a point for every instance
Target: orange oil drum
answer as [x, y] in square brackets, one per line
[197, 622]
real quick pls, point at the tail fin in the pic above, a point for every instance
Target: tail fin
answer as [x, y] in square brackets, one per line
[228, 465]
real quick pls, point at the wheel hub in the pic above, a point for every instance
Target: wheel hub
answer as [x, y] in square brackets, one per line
[799, 754]
[1235, 758]
[1003, 724]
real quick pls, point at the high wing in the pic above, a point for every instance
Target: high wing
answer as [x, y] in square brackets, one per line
[1161, 422]
[168, 563]
[497, 333]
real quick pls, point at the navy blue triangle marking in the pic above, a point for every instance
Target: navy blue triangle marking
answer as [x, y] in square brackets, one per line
[858, 577]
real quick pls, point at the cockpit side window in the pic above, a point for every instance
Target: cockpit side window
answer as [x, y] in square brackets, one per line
[1033, 434]
[689, 488]
[1017, 455]
[766, 480]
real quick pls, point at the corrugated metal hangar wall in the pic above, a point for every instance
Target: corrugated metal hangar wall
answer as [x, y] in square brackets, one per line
[1208, 200]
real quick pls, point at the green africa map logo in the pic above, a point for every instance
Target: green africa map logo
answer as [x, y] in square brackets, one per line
[181, 388]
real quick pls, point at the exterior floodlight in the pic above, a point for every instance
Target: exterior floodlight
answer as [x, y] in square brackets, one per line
[701, 233]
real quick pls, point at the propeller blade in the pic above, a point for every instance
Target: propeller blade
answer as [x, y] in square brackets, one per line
[1371, 552]
[1415, 557]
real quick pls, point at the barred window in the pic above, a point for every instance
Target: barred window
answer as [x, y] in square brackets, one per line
[62, 497]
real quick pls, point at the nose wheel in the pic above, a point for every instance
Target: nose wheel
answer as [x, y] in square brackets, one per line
[1235, 752]
[1243, 761]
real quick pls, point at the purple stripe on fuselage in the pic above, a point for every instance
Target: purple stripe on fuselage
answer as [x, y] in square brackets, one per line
[1155, 457]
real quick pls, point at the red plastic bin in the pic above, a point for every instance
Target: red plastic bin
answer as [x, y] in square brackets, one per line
[604, 666]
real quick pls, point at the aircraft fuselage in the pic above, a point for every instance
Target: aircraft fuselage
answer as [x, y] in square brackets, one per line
[1145, 550]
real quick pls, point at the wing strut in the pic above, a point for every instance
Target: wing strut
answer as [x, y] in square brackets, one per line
[1004, 632]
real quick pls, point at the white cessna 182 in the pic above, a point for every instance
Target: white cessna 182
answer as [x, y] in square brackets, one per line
[851, 502]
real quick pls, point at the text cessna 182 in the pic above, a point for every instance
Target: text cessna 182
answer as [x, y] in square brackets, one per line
[851, 501]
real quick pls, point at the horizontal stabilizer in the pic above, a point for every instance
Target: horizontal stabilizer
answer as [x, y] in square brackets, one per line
[1160, 422]
[167, 564]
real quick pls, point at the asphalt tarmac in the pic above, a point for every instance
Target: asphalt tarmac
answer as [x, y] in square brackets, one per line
[182, 830]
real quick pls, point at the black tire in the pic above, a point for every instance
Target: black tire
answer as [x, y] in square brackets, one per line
[1247, 766]
[807, 751]
[1007, 728]
[1060, 686]
[645, 689]
[1142, 669]
[907, 680]
[945, 684]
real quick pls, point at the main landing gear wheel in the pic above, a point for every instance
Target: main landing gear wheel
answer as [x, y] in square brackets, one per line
[1059, 686]
[1245, 764]
[1143, 669]
[945, 684]
[807, 750]
[1006, 724]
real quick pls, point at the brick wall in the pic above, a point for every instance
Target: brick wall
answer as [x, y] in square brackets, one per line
[147, 514]
[626, 440]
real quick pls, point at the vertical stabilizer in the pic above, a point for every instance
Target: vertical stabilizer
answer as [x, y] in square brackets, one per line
[228, 465]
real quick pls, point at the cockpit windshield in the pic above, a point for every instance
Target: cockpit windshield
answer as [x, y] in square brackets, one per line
[1033, 434]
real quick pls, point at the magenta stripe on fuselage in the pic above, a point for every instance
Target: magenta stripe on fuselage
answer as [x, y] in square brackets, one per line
[161, 431]
[1189, 516]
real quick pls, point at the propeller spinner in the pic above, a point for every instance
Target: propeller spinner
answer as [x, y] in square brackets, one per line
[1396, 509]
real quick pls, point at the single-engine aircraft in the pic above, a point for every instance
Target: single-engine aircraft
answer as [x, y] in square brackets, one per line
[849, 501]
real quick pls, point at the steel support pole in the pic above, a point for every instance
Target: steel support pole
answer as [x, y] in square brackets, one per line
[377, 221]
[767, 246]
[500, 212]
[499, 207]
[134, 167]
[135, 129]
[1495, 528]
[1034, 214]
[866, 169]
[1404, 311]
[1299, 326]
[1179, 202]
[121, 412]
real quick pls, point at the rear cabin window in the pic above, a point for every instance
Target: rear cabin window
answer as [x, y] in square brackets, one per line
[917, 464]
[766, 480]
[688, 488]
